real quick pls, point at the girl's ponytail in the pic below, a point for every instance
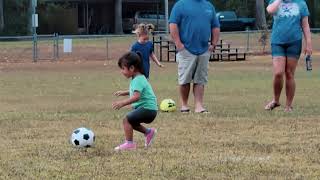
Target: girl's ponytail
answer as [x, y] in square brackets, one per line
[144, 29]
[141, 64]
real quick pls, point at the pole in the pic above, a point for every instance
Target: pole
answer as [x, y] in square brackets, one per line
[34, 30]
[107, 47]
[248, 38]
[166, 4]
[87, 17]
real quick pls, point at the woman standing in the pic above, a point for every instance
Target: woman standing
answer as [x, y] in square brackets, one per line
[290, 21]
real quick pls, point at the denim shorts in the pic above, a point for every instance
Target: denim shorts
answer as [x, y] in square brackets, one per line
[192, 68]
[141, 115]
[292, 49]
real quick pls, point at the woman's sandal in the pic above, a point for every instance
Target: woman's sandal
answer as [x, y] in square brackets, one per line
[288, 109]
[271, 105]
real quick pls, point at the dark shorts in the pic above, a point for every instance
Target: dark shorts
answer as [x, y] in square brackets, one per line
[292, 49]
[141, 115]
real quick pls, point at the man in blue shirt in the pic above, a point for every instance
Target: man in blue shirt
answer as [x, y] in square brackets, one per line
[290, 22]
[192, 23]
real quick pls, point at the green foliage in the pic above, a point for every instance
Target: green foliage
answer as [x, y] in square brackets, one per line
[51, 15]
[16, 17]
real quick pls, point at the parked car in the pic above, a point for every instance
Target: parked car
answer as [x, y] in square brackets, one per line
[230, 22]
[147, 17]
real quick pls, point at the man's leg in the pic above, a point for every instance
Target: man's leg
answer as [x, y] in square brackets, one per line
[184, 96]
[186, 67]
[198, 91]
[200, 79]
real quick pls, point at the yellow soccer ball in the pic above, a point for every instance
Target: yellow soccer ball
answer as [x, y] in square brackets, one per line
[168, 105]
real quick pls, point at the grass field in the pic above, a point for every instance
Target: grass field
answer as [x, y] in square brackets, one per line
[42, 103]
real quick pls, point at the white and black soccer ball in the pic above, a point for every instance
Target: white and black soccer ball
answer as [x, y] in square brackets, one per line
[82, 137]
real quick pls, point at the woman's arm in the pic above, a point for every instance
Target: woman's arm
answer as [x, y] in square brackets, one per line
[273, 7]
[307, 35]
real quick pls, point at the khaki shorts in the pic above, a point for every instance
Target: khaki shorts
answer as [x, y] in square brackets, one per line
[192, 68]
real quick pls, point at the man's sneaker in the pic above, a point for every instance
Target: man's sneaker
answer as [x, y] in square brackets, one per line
[149, 137]
[126, 147]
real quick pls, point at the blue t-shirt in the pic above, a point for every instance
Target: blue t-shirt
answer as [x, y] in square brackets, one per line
[147, 99]
[195, 20]
[146, 49]
[287, 21]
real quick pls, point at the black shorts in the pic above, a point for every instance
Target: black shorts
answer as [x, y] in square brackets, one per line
[141, 115]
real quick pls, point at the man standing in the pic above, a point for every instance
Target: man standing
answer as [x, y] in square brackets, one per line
[192, 23]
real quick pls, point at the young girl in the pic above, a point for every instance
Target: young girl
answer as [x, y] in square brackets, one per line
[142, 99]
[145, 47]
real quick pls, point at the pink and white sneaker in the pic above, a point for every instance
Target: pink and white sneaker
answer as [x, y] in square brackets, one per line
[126, 147]
[149, 137]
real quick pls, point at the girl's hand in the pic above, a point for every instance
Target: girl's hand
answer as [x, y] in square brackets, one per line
[120, 93]
[117, 105]
[161, 65]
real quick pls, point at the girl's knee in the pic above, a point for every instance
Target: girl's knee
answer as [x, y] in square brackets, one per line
[125, 120]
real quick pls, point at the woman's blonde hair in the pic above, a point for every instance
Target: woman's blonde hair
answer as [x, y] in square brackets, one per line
[143, 29]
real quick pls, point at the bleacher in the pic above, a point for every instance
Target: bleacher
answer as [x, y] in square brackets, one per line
[223, 51]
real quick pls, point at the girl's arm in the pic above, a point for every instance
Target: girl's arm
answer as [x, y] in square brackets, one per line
[119, 104]
[307, 35]
[122, 93]
[155, 59]
[273, 7]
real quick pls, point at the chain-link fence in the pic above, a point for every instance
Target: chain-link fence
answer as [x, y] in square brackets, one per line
[110, 47]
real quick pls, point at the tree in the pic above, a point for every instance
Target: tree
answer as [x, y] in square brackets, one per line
[1, 16]
[261, 22]
[118, 17]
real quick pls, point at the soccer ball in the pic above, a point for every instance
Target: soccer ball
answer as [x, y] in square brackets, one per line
[168, 105]
[82, 137]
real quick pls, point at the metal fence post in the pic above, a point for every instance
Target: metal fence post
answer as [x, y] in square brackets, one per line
[57, 45]
[34, 19]
[248, 38]
[54, 46]
[107, 47]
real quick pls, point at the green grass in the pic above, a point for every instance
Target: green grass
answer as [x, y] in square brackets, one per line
[41, 105]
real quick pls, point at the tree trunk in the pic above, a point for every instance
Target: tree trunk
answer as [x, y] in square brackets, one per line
[261, 22]
[313, 10]
[118, 17]
[1, 16]
[30, 17]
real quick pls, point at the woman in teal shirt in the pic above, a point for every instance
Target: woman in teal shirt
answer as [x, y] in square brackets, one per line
[290, 21]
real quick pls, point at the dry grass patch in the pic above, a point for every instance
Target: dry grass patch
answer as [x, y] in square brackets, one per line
[42, 103]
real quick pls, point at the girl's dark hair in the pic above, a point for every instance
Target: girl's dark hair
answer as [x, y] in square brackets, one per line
[131, 59]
